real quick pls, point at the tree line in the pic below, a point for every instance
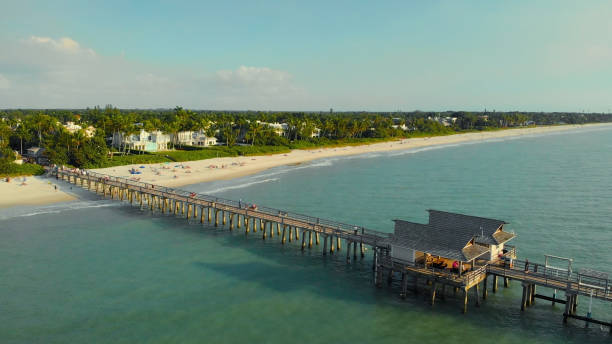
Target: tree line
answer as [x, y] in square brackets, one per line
[21, 129]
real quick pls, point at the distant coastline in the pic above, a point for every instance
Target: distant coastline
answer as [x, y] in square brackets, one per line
[40, 190]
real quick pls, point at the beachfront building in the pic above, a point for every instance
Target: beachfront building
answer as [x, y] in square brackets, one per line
[143, 140]
[72, 128]
[280, 129]
[450, 241]
[283, 129]
[193, 138]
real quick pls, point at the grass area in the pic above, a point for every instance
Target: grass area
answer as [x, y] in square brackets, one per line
[15, 170]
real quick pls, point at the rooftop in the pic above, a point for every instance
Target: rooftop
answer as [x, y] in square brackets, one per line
[451, 235]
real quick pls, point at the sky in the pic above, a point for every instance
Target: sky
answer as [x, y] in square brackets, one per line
[308, 55]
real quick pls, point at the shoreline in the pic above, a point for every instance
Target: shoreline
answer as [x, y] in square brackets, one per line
[200, 171]
[40, 190]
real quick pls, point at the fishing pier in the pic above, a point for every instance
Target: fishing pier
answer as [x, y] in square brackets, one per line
[451, 254]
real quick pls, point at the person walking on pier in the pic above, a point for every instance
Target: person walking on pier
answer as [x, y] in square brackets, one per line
[526, 265]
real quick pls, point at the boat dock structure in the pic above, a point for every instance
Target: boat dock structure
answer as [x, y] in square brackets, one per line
[451, 254]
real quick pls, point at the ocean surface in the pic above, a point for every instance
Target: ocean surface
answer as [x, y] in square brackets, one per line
[95, 271]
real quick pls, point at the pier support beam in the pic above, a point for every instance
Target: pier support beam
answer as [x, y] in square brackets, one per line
[465, 300]
[525, 295]
[404, 285]
[325, 245]
[477, 294]
[484, 287]
[231, 221]
[433, 293]
[494, 283]
[506, 282]
[284, 236]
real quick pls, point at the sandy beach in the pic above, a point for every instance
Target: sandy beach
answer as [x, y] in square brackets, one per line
[31, 191]
[185, 173]
[40, 190]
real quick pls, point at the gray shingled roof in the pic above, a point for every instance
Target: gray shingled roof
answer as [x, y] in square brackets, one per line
[448, 234]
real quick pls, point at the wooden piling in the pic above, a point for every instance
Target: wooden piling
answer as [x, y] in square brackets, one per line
[433, 293]
[284, 237]
[494, 283]
[309, 239]
[465, 300]
[404, 284]
[324, 244]
[484, 287]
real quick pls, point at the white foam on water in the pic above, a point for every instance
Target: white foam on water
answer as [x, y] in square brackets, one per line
[27, 211]
[239, 186]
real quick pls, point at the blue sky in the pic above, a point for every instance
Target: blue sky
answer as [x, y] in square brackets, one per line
[308, 55]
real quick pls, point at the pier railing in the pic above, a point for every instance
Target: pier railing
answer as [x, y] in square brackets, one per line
[584, 282]
[372, 237]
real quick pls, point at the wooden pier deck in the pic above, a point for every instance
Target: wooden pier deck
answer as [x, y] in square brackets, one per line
[214, 210]
[172, 200]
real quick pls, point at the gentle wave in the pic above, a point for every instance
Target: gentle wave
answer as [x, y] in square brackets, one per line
[53, 209]
[239, 186]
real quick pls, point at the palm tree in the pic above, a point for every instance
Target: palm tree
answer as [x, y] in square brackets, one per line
[23, 132]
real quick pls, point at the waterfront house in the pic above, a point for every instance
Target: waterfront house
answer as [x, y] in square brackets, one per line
[193, 138]
[449, 241]
[143, 140]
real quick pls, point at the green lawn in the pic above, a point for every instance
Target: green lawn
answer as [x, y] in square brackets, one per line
[14, 170]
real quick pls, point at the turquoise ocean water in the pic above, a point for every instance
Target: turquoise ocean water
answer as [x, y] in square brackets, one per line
[94, 271]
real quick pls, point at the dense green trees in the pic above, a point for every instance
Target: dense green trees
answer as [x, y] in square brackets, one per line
[20, 129]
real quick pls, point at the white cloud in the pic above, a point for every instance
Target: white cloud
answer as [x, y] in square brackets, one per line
[4, 82]
[47, 72]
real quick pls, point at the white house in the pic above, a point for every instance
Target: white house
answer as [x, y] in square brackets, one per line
[143, 140]
[72, 128]
[194, 138]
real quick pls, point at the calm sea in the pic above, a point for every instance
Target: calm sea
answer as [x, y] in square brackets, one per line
[94, 271]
